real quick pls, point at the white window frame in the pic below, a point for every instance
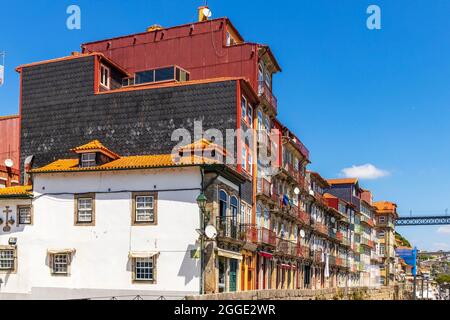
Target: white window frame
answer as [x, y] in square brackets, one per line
[148, 269]
[148, 215]
[7, 260]
[105, 76]
[250, 115]
[85, 210]
[60, 263]
[28, 215]
[89, 162]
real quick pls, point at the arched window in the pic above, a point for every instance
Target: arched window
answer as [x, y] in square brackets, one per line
[223, 203]
[234, 207]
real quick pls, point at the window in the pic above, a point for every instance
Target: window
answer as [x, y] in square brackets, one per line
[223, 203]
[88, 160]
[244, 108]
[381, 234]
[234, 207]
[382, 249]
[249, 215]
[144, 269]
[145, 208]
[250, 115]
[85, 209]
[382, 219]
[25, 216]
[250, 162]
[244, 158]
[104, 76]
[7, 260]
[60, 264]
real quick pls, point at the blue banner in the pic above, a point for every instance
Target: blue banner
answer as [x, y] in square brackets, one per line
[410, 257]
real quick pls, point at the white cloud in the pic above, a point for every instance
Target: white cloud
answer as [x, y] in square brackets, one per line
[365, 171]
[444, 230]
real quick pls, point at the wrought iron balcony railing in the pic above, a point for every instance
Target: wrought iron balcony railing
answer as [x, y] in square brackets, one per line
[304, 217]
[267, 237]
[264, 188]
[265, 92]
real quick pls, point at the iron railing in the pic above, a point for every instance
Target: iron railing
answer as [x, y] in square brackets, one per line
[265, 92]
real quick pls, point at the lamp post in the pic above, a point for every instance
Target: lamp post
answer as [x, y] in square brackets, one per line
[201, 202]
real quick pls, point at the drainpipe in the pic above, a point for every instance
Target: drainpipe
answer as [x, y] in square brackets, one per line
[202, 244]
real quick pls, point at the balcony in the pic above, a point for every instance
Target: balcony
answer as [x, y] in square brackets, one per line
[318, 257]
[267, 237]
[332, 260]
[302, 251]
[263, 188]
[249, 233]
[304, 217]
[289, 170]
[264, 141]
[228, 228]
[266, 95]
[286, 247]
[336, 236]
[367, 221]
[320, 228]
[346, 242]
[367, 242]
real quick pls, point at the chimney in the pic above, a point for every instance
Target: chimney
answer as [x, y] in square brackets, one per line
[203, 13]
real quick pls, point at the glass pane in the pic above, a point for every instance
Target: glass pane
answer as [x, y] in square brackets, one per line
[164, 74]
[145, 77]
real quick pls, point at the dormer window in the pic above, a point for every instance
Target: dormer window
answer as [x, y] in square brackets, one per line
[105, 76]
[88, 160]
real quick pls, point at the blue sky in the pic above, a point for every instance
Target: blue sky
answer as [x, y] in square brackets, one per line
[354, 96]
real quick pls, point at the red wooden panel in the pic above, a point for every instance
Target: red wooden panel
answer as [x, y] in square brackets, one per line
[9, 140]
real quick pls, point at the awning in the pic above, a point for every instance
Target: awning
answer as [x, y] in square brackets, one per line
[229, 254]
[265, 254]
[142, 254]
[286, 266]
[61, 251]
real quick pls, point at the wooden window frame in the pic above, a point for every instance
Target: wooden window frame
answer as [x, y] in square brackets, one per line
[155, 274]
[69, 264]
[84, 196]
[153, 194]
[31, 215]
[82, 162]
[14, 250]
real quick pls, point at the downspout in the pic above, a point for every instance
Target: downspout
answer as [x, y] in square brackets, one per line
[202, 224]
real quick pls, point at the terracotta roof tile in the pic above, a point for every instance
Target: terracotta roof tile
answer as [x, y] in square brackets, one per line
[343, 181]
[19, 191]
[96, 145]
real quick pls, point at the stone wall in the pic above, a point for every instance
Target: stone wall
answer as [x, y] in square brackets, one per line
[363, 293]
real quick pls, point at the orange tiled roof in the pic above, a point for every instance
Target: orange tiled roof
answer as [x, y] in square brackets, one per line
[132, 162]
[385, 206]
[96, 145]
[343, 181]
[19, 191]
[203, 144]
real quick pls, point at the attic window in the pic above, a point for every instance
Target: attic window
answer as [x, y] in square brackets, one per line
[104, 76]
[88, 160]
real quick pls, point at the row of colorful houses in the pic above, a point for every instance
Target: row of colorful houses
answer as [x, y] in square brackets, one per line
[121, 195]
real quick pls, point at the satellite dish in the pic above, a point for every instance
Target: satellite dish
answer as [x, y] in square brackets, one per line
[211, 232]
[207, 13]
[297, 191]
[302, 233]
[9, 163]
[333, 220]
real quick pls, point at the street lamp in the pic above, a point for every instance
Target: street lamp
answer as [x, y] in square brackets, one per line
[201, 201]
